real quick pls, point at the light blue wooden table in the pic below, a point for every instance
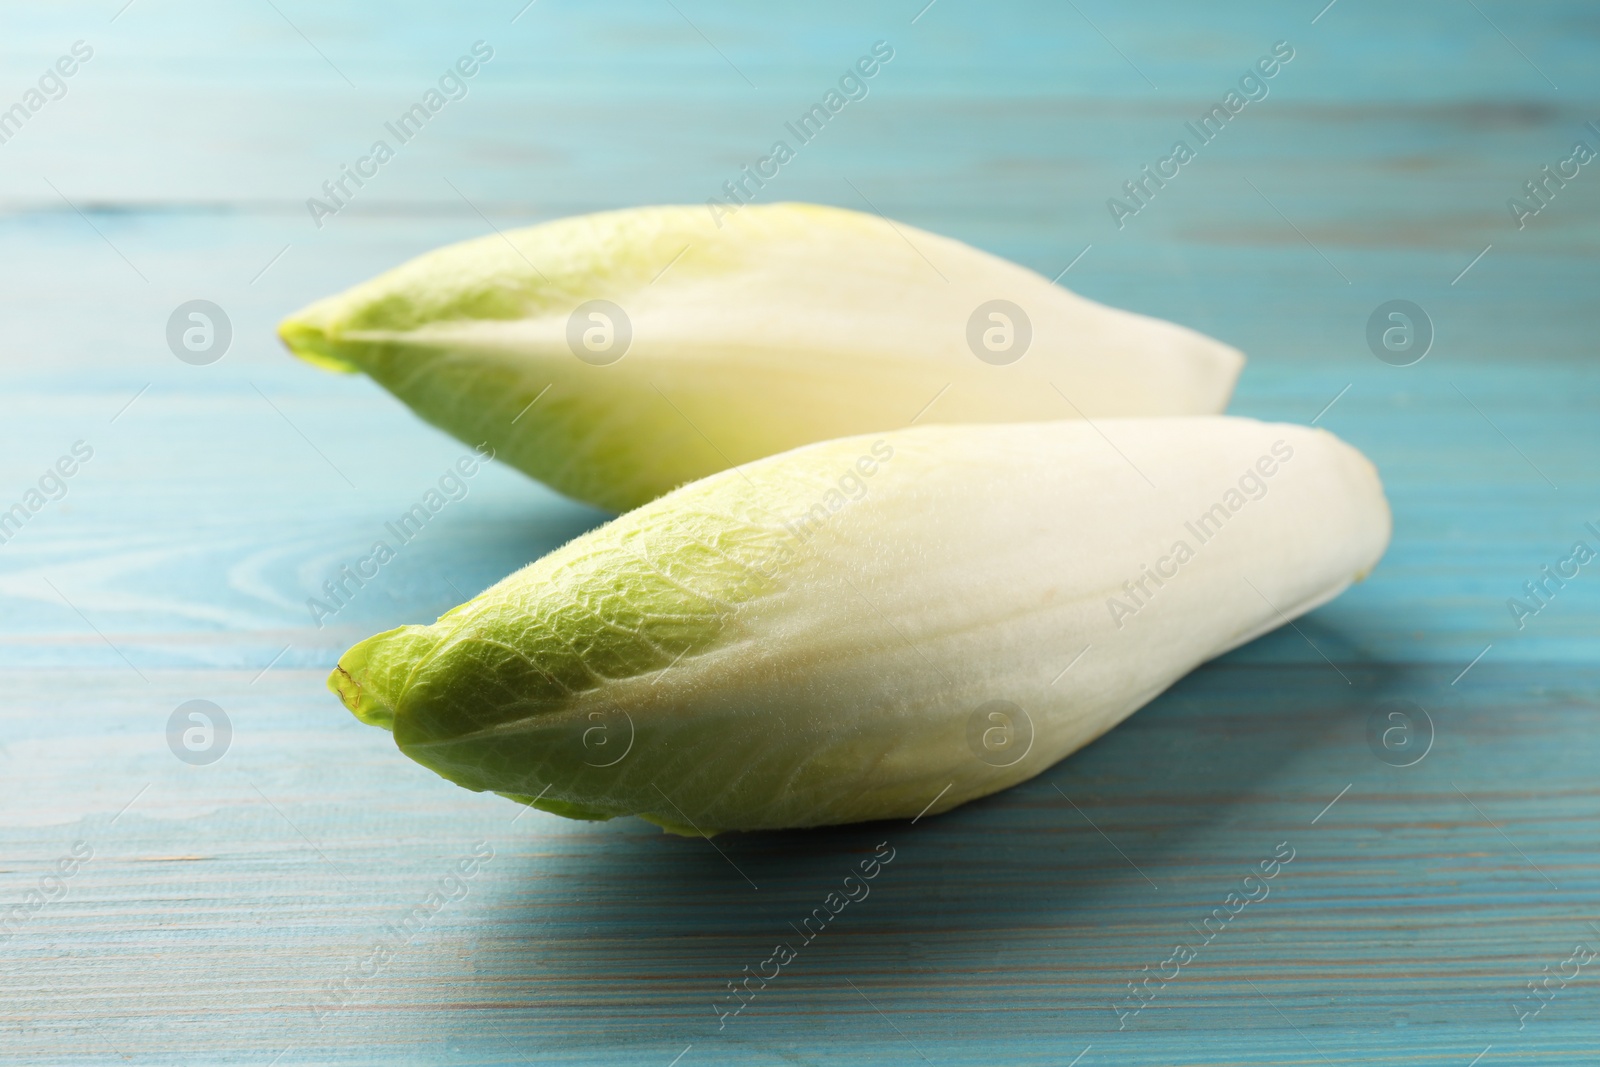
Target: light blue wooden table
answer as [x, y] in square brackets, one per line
[161, 912]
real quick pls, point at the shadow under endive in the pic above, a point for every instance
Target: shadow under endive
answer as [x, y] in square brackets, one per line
[1060, 881]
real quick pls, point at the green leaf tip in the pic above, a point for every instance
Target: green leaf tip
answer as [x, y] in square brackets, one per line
[311, 344]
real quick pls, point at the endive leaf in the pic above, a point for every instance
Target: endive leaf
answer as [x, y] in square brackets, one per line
[857, 628]
[616, 356]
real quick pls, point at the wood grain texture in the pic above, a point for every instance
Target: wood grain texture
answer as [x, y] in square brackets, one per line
[221, 900]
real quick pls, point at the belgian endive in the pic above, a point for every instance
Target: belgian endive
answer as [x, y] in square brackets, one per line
[617, 356]
[861, 628]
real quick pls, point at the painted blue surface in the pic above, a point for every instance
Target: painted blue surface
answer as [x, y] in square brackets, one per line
[218, 905]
